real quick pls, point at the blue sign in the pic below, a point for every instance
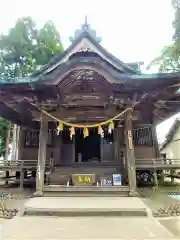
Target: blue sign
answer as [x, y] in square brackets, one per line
[116, 179]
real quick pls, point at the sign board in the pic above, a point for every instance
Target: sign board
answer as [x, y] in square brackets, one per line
[117, 179]
[106, 181]
[83, 179]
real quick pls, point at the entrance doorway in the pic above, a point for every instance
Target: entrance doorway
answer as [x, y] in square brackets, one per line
[87, 149]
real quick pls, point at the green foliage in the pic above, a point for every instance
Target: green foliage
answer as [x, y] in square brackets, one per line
[23, 50]
[48, 44]
[169, 59]
[4, 126]
[176, 3]
[176, 25]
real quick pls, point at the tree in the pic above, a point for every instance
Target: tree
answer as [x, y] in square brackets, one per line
[4, 126]
[23, 50]
[169, 59]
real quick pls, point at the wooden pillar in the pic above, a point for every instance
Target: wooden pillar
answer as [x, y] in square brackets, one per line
[57, 149]
[116, 145]
[73, 149]
[21, 177]
[21, 143]
[17, 142]
[118, 151]
[19, 147]
[41, 155]
[13, 152]
[156, 152]
[131, 168]
[7, 143]
[155, 141]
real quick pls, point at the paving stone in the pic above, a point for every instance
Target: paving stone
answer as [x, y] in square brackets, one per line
[43, 228]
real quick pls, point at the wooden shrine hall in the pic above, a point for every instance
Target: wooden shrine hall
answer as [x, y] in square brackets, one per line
[87, 118]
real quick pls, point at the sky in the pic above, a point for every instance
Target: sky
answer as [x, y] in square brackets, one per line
[132, 30]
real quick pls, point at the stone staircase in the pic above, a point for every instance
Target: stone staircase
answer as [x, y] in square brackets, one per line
[57, 182]
[61, 175]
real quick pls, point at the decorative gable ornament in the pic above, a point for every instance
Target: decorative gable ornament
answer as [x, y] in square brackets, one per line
[85, 49]
[85, 28]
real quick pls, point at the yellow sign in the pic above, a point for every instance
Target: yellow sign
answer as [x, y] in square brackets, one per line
[83, 179]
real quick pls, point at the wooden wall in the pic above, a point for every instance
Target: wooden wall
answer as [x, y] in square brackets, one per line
[110, 152]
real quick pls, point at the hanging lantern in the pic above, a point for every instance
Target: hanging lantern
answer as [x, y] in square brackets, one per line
[86, 132]
[100, 130]
[59, 128]
[72, 132]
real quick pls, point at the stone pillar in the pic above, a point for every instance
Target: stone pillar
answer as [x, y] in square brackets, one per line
[130, 158]
[41, 155]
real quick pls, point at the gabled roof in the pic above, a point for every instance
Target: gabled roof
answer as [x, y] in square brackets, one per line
[85, 39]
[171, 133]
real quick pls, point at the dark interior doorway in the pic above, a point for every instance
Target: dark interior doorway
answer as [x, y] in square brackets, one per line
[87, 149]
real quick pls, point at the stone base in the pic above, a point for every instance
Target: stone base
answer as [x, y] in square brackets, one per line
[38, 194]
[133, 194]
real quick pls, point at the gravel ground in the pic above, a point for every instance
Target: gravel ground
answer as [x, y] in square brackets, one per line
[159, 201]
[11, 200]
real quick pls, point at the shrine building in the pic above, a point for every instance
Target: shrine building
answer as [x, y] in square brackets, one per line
[89, 119]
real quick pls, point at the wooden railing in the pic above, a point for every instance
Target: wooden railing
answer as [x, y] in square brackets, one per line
[140, 164]
[158, 163]
[24, 164]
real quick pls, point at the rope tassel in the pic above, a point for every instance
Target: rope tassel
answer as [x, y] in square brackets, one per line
[72, 132]
[60, 127]
[111, 125]
[100, 130]
[86, 132]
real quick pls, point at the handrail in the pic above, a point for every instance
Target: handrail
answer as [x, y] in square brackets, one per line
[157, 163]
[22, 163]
[141, 163]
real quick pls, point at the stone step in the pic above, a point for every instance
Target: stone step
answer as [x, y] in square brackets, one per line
[86, 191]
[85, 194]
[86, 212]
[86, 206]
[87, 228]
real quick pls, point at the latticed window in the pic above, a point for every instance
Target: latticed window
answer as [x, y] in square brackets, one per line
[142, 136]
[32, 138]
